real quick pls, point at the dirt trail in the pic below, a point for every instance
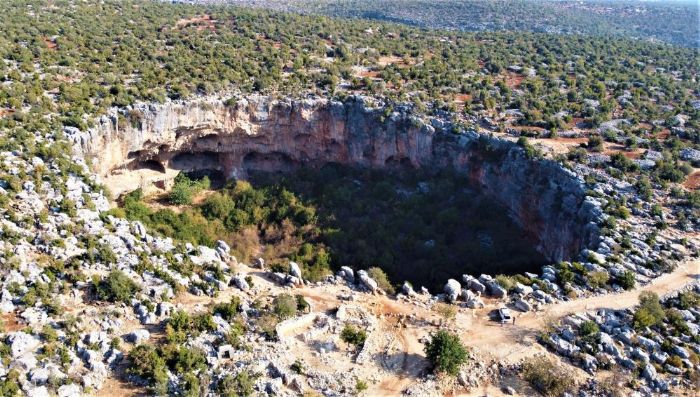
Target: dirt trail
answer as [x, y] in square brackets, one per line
[511, 342]
[681, 276]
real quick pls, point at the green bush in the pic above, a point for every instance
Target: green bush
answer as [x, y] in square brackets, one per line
[186, 360]
[240, 385]
[147, 363]
[353, 336]
[446, 352]
[650, 312]
[185, 189]
[228, 311]
[595, 143]
[382, 279]
[506, 282]
[360, 386]
[117, 286]
[302, 305]
[546, 377]
[627, 280]
[589, 328]
[284, 306]
[598, 279]
[688, 299]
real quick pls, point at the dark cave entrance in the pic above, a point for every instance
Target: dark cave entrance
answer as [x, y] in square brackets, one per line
[417, 226]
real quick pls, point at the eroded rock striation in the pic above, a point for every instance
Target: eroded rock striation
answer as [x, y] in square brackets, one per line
[260, 133]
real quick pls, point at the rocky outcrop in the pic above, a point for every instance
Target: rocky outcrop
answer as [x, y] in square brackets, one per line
[259, 133]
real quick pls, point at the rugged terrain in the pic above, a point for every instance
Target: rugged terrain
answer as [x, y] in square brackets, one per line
[589, 143]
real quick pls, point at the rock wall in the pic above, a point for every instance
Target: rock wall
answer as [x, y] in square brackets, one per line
[259, 133]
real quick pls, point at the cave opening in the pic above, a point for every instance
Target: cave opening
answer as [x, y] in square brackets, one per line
[418, 226]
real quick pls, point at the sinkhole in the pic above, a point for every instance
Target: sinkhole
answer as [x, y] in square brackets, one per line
[411, 195]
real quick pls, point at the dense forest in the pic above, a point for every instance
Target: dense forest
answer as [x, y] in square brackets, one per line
[76, 58]
[673, 22]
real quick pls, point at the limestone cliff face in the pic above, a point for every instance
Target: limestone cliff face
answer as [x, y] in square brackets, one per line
[258, 133]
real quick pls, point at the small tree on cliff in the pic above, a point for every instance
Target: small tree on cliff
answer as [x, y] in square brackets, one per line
[446, 352]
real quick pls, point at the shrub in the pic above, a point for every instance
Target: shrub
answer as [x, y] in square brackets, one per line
[360, 386]
[381, 278]
[547, 377]
[186, 360]
[267, 324]
[675, 361]
[191, 385]
[595, 143]
[185, 188]
[146, 363]
[284, 306]
[446, 311]
[589, 328]
[530, 151]
[598, 279]
[10, 385]
[446, 352]
[298, 367]
[240, 385]
[353, 336]
[626, 280]
[228, 311]
[676, 320]
[650, 312]
[505, 281]
[688, 299]
[302, 305]
[117, 286]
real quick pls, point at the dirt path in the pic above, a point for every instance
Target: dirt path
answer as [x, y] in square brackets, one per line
[511, 342]
[681, 276]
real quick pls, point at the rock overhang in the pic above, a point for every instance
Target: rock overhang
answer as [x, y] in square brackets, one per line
[156, 141]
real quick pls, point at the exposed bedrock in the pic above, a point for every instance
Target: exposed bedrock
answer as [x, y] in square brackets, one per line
[259, 133]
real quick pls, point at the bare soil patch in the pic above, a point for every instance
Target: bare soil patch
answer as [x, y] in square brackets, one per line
[11, 323]
[693, 181]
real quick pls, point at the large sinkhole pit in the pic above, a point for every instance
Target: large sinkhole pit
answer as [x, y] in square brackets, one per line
[383, 188]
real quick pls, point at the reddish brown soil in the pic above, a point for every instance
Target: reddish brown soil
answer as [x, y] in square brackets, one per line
[663, 134]
[10, 322]
[462, 98]
[390, 60]
[570, 140]
[514, 80]
[203, 22]
[527, 128]
[5, 112]
[693, 181]
[373, 74]
[49, 43]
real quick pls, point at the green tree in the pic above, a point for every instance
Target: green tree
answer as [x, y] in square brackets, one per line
[117, 286]
[353, 336]
[446, 352]
[650, 311]
[627, 280]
